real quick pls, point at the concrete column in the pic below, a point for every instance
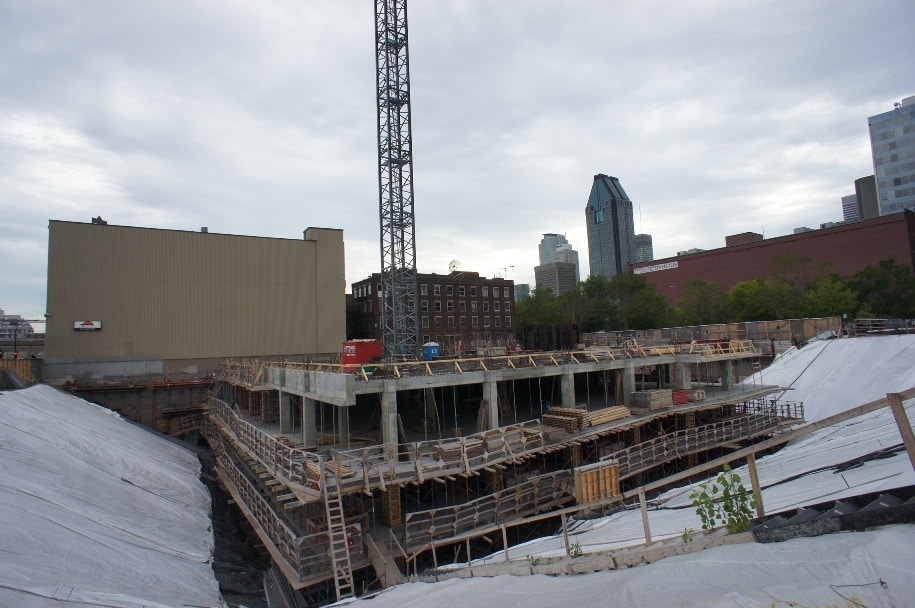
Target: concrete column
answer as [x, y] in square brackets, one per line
[681, 375]
[568, 389]
[343, 425]
[389, 418]
[309, 423]
[628, 383]
[727, 373]
[491, 402]
[285, 412]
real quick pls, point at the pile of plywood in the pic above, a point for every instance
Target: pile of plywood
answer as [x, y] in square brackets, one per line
[653, 400]
[569, 419]
[605, 415]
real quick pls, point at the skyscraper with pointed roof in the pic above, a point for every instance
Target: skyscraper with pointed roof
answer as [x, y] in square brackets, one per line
[611, 228]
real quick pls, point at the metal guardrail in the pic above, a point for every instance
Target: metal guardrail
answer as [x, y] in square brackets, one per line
[247, 372]
[379, 466]
[649, 454]
[531, 496]
[526, 498]
[283, 460]
[306, 554]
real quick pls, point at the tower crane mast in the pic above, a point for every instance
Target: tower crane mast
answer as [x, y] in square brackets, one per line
[400, 324]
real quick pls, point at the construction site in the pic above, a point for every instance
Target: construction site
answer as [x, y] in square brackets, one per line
[356, 478]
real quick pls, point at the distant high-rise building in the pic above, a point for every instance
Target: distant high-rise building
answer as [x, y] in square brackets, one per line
[866, 191]
[611, 230]
[548, 245]
[644, 252]
[862, 205]
[893, 150]
[522, 290]
[558, 276]
[564, 253]
[850, 211]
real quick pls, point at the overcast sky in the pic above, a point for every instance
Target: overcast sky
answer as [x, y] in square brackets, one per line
[259, 118]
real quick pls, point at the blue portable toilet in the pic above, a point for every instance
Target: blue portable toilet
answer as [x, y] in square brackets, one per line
[431, 350]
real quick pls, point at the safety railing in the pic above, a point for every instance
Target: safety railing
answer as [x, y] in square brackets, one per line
[526, 498]
[379, 465]
[249, 373]
[643, 456]
[273, 452]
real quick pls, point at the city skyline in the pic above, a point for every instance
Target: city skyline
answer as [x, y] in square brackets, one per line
[261, 122]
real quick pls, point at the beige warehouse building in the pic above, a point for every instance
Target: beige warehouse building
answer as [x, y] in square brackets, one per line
[126, 301]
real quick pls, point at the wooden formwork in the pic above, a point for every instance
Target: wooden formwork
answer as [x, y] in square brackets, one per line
[598, 481]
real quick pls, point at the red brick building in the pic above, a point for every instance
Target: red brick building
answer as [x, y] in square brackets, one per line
[847, 248]
[461, 311]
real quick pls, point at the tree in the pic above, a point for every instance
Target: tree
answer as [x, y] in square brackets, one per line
[887, 289]
[702, 302]
[763, 300]
[601, 312]
[829, 297]
[639, 305]
[538, 309]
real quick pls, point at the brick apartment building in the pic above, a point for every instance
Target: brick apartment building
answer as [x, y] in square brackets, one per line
[462, 311]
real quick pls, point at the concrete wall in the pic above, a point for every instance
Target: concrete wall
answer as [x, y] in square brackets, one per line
[173, 300]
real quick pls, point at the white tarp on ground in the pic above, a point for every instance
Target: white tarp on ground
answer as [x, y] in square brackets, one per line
[828, 377]
[95, 511]
[870, 569]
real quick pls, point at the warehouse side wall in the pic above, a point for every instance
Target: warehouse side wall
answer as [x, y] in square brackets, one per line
[161, 301]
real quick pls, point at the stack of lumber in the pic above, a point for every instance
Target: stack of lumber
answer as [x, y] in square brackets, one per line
[530, 435]
[339, 469]
[605, 415]
[680, 396]
[653, 400]
[569, 419]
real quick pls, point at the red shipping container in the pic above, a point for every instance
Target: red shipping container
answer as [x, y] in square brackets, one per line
[357, 352]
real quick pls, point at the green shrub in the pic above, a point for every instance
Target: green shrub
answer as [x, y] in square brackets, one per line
[734, 507]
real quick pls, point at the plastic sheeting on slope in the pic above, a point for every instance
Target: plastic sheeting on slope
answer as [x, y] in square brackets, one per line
[96, 511]
[850, 569]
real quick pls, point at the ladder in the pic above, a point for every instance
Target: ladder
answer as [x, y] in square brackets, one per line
[339, 541]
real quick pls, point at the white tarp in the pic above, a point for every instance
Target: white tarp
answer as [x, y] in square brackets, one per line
[96, 511]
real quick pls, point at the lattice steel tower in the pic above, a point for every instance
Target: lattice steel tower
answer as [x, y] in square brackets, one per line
[399, 321]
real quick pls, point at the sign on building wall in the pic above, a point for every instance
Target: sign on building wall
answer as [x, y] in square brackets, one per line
[87, 325]
[656, 267]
